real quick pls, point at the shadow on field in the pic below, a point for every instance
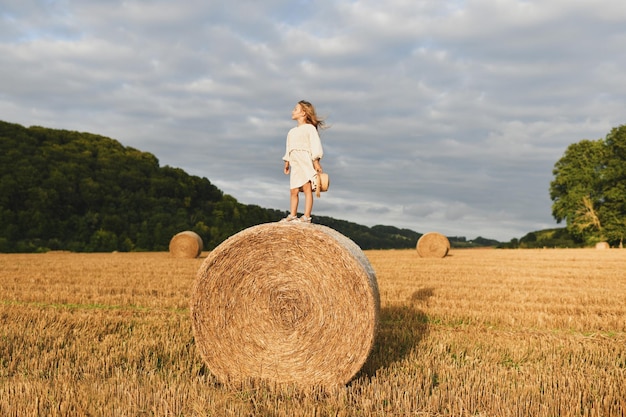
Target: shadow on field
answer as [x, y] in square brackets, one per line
[400, 329]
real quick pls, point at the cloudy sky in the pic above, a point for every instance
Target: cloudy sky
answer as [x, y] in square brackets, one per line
[444, 115]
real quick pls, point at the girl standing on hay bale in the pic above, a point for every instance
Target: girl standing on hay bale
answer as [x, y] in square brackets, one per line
[302, 159]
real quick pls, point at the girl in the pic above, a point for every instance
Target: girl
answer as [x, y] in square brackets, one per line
[302, 159]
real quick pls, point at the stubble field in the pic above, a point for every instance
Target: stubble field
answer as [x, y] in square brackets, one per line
[480, 332]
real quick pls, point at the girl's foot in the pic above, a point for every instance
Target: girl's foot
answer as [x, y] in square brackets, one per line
[305, 219]
[289, 218]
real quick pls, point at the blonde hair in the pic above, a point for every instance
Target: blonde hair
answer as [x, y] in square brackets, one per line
[311, 116]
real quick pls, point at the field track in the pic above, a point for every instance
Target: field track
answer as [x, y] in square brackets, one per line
[479, 332]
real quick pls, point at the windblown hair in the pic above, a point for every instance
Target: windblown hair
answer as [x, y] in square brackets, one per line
[311, 116]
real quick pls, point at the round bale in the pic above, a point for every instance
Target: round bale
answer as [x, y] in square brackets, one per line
[433, 245]
[186, 244]
[603, 245]
[286, 302]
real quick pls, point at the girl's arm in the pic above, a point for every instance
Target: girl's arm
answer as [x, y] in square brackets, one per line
[317, 165]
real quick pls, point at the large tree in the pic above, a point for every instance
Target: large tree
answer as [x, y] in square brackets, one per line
[614, 182]
[589, 188]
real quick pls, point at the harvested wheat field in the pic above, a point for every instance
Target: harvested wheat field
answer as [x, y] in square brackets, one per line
[479, 332]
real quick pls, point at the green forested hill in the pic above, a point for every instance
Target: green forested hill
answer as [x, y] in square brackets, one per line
[65, 190]
[84, 192]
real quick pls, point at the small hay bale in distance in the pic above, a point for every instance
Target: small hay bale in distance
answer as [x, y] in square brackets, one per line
[289, 303]
[603, 245]
[186, 244]
[433, 245]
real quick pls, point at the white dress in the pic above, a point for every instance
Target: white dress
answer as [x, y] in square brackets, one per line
[303, 147]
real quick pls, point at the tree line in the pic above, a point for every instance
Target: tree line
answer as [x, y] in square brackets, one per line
[82, 192]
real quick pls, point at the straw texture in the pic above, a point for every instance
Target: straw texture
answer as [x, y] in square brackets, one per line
[285, 302]
[186, 244]
[433, 245]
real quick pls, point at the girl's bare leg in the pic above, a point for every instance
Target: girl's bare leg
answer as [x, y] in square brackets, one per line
[293, 201]
[308, 196]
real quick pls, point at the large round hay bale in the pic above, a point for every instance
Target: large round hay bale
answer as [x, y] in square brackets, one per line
[285, 302]
[433, 245]
[603, 245]
[186, 244]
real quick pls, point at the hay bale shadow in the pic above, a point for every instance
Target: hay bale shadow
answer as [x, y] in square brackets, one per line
[422, 295]
[401, 328]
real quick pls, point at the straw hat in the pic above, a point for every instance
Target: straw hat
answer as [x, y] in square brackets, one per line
[322, 182]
